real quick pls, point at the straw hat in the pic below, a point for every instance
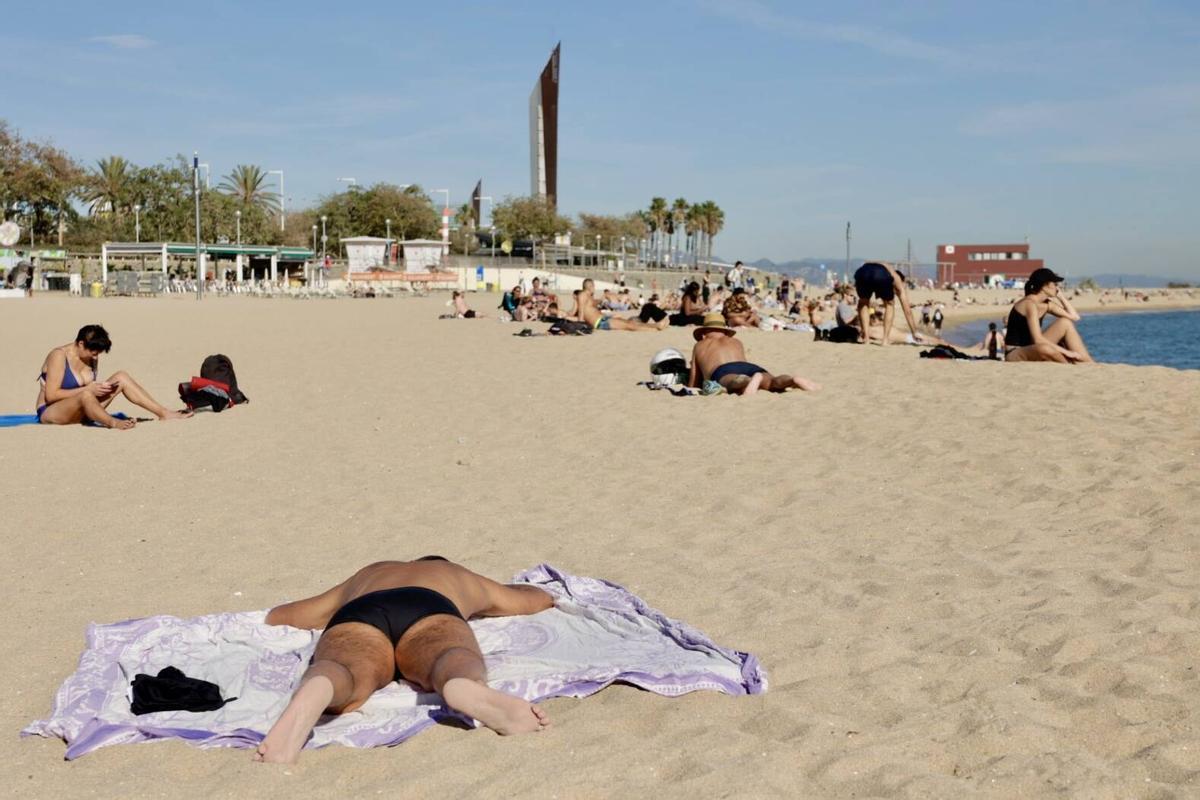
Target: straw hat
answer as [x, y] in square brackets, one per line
[713, 321]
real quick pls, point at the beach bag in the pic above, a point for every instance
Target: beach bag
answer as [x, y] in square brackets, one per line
[569, 327]
[215, 388]
[946, 351]
[219, 368]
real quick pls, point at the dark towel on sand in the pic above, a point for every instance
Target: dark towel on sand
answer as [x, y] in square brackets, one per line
[174, 691]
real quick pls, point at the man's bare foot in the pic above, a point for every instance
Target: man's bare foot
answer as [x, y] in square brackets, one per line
[287, 736]
[176, 414]
[752, 386]
[503, 713]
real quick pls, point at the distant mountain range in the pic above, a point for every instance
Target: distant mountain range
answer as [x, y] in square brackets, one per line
[813, 271]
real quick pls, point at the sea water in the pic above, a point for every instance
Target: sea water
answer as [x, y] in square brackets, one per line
[1163, 338]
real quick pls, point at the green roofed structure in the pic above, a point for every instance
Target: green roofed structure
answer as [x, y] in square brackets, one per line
[237, 251]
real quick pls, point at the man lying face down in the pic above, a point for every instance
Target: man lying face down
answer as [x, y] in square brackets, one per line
[718, 356]
[396, 620]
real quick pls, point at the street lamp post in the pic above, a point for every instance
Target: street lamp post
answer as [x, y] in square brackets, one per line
[237, 216]
[597, 250]
[207, 176]
[137, 222]
[282, 199]
[324, 241]
[493, 231]
[445, 222]
[622, 252]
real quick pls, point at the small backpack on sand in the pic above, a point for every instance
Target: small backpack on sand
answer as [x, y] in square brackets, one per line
[216, 388]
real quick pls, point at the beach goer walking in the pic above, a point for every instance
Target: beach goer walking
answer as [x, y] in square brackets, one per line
[71, 391]
[939, 317]
[720, 357]
[401, 620]
[1060, 341]
[878, 279]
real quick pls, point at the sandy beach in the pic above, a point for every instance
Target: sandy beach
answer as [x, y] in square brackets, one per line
[964, 579]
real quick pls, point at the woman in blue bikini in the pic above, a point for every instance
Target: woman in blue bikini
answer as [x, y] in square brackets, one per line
[70, 392]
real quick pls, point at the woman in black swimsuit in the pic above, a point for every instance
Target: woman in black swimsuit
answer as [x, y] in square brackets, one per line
[1060, 342]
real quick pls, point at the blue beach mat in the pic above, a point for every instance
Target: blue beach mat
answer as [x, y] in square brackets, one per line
[13, 420]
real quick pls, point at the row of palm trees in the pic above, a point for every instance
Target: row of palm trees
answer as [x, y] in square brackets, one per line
[115, 186]
[697, 223]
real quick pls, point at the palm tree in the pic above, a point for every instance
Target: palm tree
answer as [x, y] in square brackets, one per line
[679, 213]
[658, 213]
[109, 186]
[247, 186]
[695, 226]
[714, 221]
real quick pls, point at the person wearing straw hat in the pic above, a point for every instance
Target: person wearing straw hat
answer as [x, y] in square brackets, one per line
[720, 357]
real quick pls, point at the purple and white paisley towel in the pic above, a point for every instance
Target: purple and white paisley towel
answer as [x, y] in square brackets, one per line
[597, 633]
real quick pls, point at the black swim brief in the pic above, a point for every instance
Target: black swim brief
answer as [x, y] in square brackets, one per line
[874, 279]
[736, 368]
[394, 611]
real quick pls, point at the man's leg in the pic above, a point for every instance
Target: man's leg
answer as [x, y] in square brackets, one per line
[135, 394]
[864, 319]
[440, 653]
[1062, 331]
[889, 316]
[352, 660]
[781, 383]
[81, 407]
[744, 385]
[621, 324]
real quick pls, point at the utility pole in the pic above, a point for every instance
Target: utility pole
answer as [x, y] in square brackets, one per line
[196, 198]
[846, 273]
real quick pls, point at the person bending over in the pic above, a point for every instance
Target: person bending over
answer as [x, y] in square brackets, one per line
[1024, 338]
[401, 620]
[878, 279]
[720, 357]
[71, 392]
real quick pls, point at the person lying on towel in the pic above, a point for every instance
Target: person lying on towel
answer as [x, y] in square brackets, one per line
[720, 358]
[70, 390]
[401, 620]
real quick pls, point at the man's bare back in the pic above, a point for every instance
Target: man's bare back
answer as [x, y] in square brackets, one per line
[473, 594]
[713, 351]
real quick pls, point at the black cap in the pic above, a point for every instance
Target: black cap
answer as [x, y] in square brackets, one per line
[1040, 277]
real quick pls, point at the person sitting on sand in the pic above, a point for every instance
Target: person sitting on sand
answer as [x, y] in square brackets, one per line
[691, 307]
[589, 313]
[1024, 338]
[878, 279]
[71, 391]
[738, 311]
[511, 300]
[720, 357]
[401, 620]
[526, 312]
[460, 307]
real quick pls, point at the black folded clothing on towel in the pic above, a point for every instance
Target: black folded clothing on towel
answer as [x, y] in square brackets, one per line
[174, 691]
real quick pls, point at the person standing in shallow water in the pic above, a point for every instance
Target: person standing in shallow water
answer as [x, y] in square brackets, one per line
[1060, 342]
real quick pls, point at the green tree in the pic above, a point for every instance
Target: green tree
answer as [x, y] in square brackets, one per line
[365, 213]
[108, 190]
[609, 228]
[679, 216]
[657, 216]
[529, 218]
[247, 184]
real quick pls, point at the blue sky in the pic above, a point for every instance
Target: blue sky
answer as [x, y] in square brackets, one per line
[1073, 123]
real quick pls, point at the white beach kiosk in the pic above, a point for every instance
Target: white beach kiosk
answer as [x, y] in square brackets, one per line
[367, 260]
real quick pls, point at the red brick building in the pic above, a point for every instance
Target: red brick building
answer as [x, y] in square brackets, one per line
[973, 263]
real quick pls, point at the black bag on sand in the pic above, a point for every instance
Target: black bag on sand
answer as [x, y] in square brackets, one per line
[570, 327]
[171, 690]
[220, 368]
